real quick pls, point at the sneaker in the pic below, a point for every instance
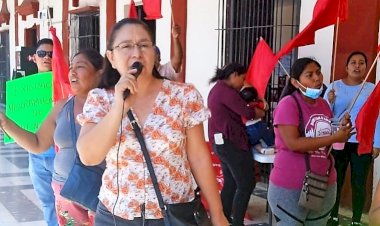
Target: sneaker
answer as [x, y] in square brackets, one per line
[356, 223]
[333, 221]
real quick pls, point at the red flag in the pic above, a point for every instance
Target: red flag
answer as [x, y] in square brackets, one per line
[61, 84]
[325, 13]
[132, 10]
[365, 122]
[261, 66]
[152, 9]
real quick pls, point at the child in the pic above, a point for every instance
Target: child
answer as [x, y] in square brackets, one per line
[260, 136]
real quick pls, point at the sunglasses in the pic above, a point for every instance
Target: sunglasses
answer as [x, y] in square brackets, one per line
[43, 53]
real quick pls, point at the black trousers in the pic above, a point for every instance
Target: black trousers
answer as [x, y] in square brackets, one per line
[104, 218]
[239, 180]
[359, 171]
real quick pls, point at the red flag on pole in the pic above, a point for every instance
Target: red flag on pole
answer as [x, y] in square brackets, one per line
[261, 66]
[132, 10]
[365, 122]
[152, 9]
[61, 84]
[325, 13]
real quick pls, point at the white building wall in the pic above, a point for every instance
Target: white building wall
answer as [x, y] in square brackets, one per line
[202, 45]
[201, 40]
[163, 31]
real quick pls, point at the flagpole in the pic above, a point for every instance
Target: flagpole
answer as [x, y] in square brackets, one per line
[283, 68]
[365, 80]
[335, 49]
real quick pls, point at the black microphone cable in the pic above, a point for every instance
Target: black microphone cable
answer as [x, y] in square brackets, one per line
[117, 166]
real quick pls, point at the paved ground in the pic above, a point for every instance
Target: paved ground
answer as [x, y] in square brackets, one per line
[18, 203]
[20, 207]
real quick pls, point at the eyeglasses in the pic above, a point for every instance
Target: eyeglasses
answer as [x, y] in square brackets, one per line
[43, 53]
[128, 47]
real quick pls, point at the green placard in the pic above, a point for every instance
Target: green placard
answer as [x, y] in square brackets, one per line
[28, 101]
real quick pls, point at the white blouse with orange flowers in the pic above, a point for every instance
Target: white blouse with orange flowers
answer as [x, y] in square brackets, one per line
[178, 106]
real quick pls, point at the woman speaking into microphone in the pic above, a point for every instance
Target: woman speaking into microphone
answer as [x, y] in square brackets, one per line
[170, 116]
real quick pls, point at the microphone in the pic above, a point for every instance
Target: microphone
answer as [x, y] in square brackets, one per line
[138, 66]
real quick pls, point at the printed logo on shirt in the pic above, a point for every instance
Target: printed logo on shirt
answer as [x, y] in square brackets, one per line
[318, 126]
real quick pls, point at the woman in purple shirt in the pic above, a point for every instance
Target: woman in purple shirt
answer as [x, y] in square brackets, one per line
[295, 138]
[229, 139]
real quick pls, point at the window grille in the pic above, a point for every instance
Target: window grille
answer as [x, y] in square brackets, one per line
[241, 23]
[84, 32]
[4, 63]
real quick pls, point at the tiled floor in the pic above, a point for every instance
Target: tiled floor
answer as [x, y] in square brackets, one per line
[20, 207]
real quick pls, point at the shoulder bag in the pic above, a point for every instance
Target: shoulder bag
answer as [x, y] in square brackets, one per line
[83, 183]
[314, 186]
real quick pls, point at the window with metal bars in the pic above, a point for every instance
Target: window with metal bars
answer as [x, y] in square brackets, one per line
[4, 63]
[84, 31]
[241, 24]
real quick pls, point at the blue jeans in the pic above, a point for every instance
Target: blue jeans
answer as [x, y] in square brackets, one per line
[258, 131]
[41, 170]
[103, 217]
[239, 180]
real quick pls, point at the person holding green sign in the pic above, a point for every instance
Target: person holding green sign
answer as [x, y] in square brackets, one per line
[41, 165]
[84, 75]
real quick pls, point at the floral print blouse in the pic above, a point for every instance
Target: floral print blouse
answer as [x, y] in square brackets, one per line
[178, 106]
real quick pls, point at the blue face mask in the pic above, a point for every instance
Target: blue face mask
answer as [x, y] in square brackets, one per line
[310, 92]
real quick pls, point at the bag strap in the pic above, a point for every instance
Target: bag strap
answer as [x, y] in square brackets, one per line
[301, 128]
[72, 127]
[149, 164]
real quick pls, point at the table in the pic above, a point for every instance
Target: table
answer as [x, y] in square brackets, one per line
[265, 159]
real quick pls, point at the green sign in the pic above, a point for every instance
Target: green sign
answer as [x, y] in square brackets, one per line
[28, 101]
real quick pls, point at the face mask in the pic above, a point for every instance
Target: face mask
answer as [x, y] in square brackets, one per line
[310, 92]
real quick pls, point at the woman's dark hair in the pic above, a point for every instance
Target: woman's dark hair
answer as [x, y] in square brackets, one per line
[93, 56]
[249, 94]
[110, 75]
[297, 68]
[225, 72]
[356, 53]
